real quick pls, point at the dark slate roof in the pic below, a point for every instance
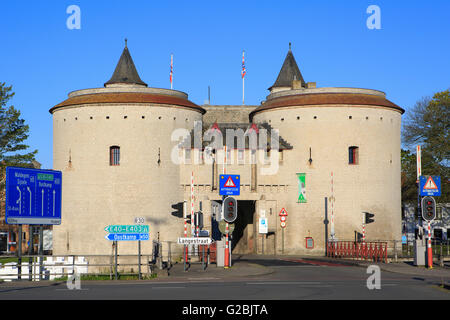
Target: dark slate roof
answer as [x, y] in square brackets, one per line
[289, 71]
[125, 71]
[245, 127]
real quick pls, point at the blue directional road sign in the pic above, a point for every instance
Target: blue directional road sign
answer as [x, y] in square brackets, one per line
[430, 186]
[229, 185]
[33, 196]
[127, 236]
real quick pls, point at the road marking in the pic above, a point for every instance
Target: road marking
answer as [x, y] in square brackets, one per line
[284, 283]
[168, 287]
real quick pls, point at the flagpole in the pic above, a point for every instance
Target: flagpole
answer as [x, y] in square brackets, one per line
[243, 91]
[171, 71]
[243, 76]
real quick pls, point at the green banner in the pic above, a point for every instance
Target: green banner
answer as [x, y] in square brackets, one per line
[301, 188]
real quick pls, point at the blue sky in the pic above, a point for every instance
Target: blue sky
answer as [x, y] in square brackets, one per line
[408, 58]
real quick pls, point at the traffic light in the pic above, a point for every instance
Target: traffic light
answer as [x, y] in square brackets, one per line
[178, 210]
[198, 219]
[229, 209]
[428, 208]
[369, 217]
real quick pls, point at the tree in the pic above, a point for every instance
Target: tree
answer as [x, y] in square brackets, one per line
[13, 133]
[427, 124]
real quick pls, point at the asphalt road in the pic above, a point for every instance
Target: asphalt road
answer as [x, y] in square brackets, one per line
[290, 280]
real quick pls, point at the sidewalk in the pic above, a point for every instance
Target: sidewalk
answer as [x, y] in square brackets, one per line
[239, 269]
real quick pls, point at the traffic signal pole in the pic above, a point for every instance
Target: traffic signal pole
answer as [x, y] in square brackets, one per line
[429, 251]
[429, 214]
[185, 249]
[227, 252]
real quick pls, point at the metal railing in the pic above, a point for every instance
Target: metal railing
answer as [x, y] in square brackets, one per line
[369, 250]
[394, 250]
[112, 266]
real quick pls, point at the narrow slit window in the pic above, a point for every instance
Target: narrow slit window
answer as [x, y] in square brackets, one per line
[353, 154]
[114, 156]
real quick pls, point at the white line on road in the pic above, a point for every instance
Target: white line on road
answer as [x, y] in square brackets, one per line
[284, 283]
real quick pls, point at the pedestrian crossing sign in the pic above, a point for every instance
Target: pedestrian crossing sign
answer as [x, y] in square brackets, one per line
[430, 185]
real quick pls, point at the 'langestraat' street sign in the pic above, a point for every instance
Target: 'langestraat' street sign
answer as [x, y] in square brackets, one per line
[33, 196]
[200, 240]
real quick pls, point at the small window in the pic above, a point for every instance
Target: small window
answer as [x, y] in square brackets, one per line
[114, 156]
[241, 156]
[353, 155]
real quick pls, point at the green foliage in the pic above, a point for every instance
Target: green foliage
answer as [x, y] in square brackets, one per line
[427, 124]
[13, 133]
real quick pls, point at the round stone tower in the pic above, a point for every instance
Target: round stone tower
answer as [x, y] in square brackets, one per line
[113, 146]
[346, 143]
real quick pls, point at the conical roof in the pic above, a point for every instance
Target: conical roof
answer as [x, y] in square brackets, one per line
[125, 71]
[289, 72]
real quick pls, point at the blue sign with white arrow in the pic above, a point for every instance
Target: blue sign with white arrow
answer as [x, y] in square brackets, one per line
[127, 236]
[33, 196]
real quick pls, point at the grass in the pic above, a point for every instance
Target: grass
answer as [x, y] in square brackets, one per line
[7, 260]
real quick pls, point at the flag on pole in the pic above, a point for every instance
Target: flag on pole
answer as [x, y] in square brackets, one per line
[171, 71]
[243, 72]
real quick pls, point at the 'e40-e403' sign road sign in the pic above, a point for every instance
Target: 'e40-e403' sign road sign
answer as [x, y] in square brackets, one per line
[136, 228]
[33, 196]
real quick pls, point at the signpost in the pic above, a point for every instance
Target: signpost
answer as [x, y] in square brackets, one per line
[283, 217]
[33, 197]
[136, 232]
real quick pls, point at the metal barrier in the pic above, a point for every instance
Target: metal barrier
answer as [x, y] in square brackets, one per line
[375, 251]
[114, 265]
[204, 254]
[393, 249]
